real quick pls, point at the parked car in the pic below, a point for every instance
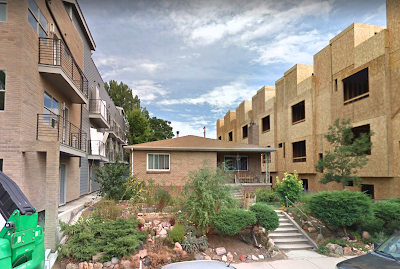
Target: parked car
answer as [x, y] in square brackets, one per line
[197, 265]
[385, 256]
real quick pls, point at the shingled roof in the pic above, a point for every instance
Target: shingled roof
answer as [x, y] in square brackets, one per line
[197, 143]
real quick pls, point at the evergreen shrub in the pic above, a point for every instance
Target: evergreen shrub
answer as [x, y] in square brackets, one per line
[230, 222]
[266, 216]
[177, 234]
[266, 195]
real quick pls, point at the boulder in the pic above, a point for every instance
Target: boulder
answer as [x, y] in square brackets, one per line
[178, 247]
[229, 256]
[220, 251]
[224, 258]
[199, 257]
[339, 250]
[261, 257]
[320, 237]
[242, 258]
[127, 264]
[90, 265]
[107, 264]
[312, 230]
[146, 262]
[184, 254]
[207, 258]
[305, 227]
[85, 265]
[98, 265]
[142, 253]
[331, 247]
[248, 257]
[347, 251]
[365, 235]
[114, 260]
[163, 233]
[216, 258]
[156, 222]
[72, 266]
[80, 265]
[254, 258]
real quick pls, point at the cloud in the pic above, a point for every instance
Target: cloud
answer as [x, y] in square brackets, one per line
[192, 128]
[148, 67]
[147, 90]
[379, 13]
[221, 97]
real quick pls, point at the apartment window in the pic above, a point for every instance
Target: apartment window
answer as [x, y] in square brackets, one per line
[356, 86]
[299, 151]
[364, 129]
[50, 110]
[158, 162]
[219, 137]
[3, 10]
[335, 85]
[37, 20]
[236, 163]
[280, 145]
[266, 124]
[245, 131]
[2, 90]
[1, 165]
[298, 113]
[305, 184]
[350, 183]
[321, 156]
[230, 136]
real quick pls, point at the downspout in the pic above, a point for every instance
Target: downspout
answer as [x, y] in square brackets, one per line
[131, 162]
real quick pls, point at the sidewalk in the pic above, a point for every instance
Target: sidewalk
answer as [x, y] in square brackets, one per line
[299, 259]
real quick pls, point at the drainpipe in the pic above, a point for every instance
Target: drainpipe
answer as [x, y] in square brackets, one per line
[131, 162]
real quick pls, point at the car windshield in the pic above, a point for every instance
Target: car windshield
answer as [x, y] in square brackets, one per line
[391, 247]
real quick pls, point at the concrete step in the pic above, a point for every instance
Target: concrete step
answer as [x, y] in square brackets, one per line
[286, 225]
[293, 240]
[286, 230]
[293, 246]
[283, 219]
[276, 235]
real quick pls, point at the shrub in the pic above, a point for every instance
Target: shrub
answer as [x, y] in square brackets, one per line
[266, 216]
[177, 234]
[372, 224]
[389, 212]
[266, 195]
[107, 210]
[395, 200]
[340, 208]
[162, 198]
[207, 194]
[230, 222]
[290, 187]
[193, 244]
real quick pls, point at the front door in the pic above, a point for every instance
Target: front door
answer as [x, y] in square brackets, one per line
[63, 181]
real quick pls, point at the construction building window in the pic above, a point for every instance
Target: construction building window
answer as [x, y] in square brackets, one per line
[2, 90]
[298, 113]
[245, 131]
[219, 137]
[3, 10]
[299, 151]
[305, 184]
[158, 162]
[37, 20]
[350, 183]
[1, 165]
[364, 129]
[266, 124]
[230, 136]
[356, 86]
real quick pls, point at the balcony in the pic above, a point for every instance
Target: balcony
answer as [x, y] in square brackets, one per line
[97, 151]
[249, 177]
[58, 66]
[53, 127]
[116, 132]
[98, 113]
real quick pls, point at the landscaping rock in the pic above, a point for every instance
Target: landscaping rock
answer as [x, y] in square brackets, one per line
[347, 251]
[163, 233]
[107, 264]
[207, 258]
[90, 265]
[156, 222]
[261, 257]
[339, 251]
[127, 264]
[365, 235]
[216, 258]
[72, 266]
[220, 251]
[305, 227]
[146, 262]
[271, 243]
[331, 247]
[312, 230]
[199, 257]
[229, 256]
[184, 254]
[114, 260]
[248, 257]
[320, 237]
[80, 265]
[254, 258]
[242, 258]
[85, 265]
[98, 265]
[224, 258]
[178, 248]
[142, 253]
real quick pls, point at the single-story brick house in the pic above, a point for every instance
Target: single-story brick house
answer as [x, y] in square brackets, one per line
[168, 162]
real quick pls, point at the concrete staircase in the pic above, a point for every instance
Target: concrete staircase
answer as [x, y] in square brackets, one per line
[289, 236]
[238, 194]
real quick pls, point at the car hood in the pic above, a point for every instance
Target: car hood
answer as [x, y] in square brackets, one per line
[369, 261]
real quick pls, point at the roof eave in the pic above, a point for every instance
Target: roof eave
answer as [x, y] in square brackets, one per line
[257, 150]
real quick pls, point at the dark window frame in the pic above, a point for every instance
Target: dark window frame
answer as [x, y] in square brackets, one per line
[219, 137]
[299, 112]
[266, 124]
[153, 155]
[3, 88]
[299, 151]
[1, 165]
[356, 86]
[230, 135]
[231, 163]
[245, 131]
[358, 130]
[40, 19]
[4, 3]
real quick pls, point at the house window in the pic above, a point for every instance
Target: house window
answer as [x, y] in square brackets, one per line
[158, 161]
[356, 86]
[350, 183]
[305, 184]
[245, 131]
[236, 163]
[230, 136]
[364, 129]
[266, 124]
[37, 20]
[299, 151]
[298, 113]
[50, 110]
[219, 137]
[2, 90]
[3, 10]
[1, 165]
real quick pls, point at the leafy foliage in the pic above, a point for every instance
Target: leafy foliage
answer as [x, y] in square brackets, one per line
[389, 213]
[348, 155]
[193, 244]
[340, 209]
[89, 236]
[177, 234]
[139, 131]
[230, 222]
[207, 194]
[266, 216]
[121, 94]
[290, 187]
[266, 195]
[113, 182]
[162, 198]
[160, 129]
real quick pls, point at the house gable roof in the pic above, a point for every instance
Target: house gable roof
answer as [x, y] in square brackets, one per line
[197, 143]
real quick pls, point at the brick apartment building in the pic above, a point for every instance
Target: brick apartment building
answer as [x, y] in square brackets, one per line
[57, 120]
[356, 76]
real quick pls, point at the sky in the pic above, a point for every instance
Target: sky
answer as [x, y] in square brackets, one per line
[191, 61]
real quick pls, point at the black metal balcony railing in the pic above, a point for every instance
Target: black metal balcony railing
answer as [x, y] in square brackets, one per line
[54, 52]
[53, 127]
[117, 130]
[99, 106]
[97, 148]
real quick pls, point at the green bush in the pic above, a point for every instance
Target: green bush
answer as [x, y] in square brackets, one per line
[107, 210]
[389, 212]
[372, 224]
[266, 195]
[193, 244]
[230, 222]
[207, 194]
[266, 216]
[162, 198]
[177, 234]
[340, 208]
[395, 200]
[290, 186]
